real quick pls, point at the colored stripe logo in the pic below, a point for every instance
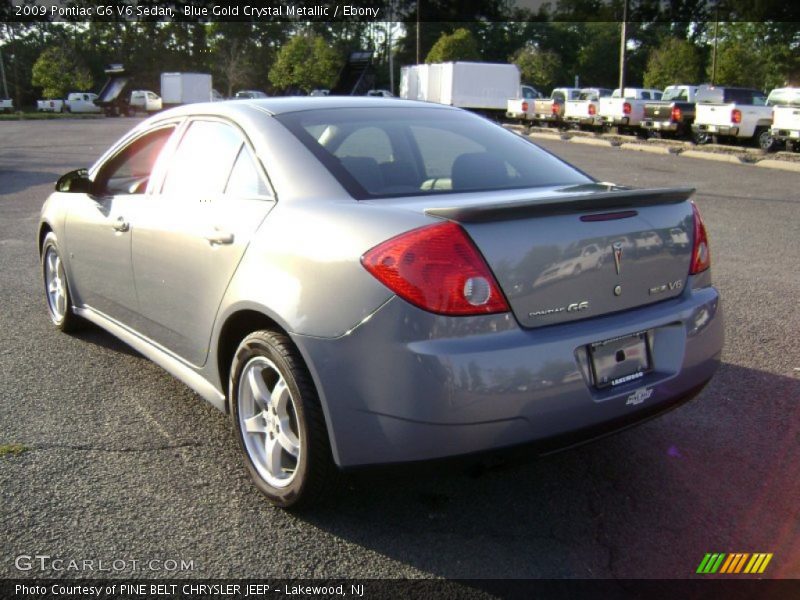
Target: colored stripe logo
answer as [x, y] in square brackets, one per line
[734, 563]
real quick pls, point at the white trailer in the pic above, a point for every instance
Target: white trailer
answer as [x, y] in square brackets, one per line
[185, 88]
[473, 85]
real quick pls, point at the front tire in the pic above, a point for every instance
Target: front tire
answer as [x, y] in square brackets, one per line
[56, 287]
[279, 421]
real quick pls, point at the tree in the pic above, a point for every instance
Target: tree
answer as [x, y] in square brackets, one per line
[58, 70]
[540, 68]
[305, 62]
[674, 62]
[459, 45]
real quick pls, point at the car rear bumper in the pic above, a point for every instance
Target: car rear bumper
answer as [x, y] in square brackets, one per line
[668, 126]
[723, 130]
[586, 121]
[407, 385]
[785, 134]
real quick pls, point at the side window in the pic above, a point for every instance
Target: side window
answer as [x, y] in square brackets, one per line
[203, 160]
[366, 141]
[645, 95]
[246, 180]
[129, 171]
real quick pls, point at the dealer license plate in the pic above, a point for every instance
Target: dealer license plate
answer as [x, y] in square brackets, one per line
[620, 360]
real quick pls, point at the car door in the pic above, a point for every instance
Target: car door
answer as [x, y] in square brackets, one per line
[190, 238]
[98, 226]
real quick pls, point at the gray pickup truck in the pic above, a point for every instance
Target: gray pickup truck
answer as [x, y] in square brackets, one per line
[673, 115]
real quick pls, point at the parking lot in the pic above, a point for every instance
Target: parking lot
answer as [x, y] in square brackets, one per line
[123, 462]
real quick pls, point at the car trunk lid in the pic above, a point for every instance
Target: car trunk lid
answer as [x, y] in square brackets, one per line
[582, 251]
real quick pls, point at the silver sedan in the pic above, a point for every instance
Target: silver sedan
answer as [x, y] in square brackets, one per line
[365, 281]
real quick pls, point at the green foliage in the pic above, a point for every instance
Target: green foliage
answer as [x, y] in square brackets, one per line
[459, 45]
[674, 62]
[306, 62]
[540, 68]
[58, 71]
[598, 58]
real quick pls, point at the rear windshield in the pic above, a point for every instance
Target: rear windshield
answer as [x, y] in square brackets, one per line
[388, 152]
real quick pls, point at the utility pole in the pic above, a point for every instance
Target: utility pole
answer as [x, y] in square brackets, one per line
[418, 26]
[622, 44]
[391, 48]
[3, 75]
[714, 53]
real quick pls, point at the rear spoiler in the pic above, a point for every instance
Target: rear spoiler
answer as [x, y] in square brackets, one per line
[561, 204]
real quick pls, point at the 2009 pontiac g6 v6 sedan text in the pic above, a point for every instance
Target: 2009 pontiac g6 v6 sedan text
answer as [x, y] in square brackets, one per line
[363, 281]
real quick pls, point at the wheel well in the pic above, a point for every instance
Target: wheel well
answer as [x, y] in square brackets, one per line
[238, 326]
[43, 231]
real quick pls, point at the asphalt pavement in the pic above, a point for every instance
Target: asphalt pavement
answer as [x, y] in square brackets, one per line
[124, 463]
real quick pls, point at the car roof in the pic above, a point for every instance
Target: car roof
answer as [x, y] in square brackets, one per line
[288, 104]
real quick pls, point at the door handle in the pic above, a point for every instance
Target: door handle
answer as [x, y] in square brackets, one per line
[121, 225]
[219, 237]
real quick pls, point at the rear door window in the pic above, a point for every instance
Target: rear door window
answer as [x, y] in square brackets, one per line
[202, 163]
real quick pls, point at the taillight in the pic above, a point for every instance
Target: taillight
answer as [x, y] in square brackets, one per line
[592, 110]
[701, 256]
[555, 108]
[736, 116]
[626, 108]
[524, 107]
[675, 115]
[438, 269]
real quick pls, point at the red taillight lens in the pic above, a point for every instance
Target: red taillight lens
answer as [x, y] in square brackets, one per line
[736, 116]
[626, 108]
[555, 108]
[437, 268]
[524, 107]
[592, 110]
[701, 256]
[675, 115]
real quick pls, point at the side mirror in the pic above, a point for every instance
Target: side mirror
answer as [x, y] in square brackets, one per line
[75, 182]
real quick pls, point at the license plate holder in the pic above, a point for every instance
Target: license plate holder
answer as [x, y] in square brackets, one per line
[620, 360]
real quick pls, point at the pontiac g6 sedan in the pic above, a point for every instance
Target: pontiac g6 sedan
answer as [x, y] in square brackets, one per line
[367, 281]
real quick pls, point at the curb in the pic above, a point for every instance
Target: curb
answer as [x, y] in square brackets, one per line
[779, 164]
[644, 148]
[729, 158]
[591, 142]
[544, 136]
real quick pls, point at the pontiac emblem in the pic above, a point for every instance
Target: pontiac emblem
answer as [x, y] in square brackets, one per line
[617, 255]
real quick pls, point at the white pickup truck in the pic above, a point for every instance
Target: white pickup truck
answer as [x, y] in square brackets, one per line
[733, 113]
[521, 107]
[551, 110]
[55, 106]
[585, 111]
[81, 102]
[785, 104]
[6, 105]
[626, 111]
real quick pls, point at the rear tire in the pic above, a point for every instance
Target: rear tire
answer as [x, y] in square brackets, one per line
[279, 422]
[764, 140]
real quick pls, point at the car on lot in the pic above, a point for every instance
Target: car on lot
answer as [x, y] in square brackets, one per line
[625, 110]
[584, 112]
[145, 101]
[50, 105]
[673, 115]
[249, 94]
[733, 114]
[786, 116]
[354, 281]
[82, 102]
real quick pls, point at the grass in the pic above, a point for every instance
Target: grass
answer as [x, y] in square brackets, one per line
[43, 116]
[12, 449]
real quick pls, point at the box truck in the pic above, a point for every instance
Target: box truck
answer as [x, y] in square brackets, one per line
[185, 88]
[473, 85]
